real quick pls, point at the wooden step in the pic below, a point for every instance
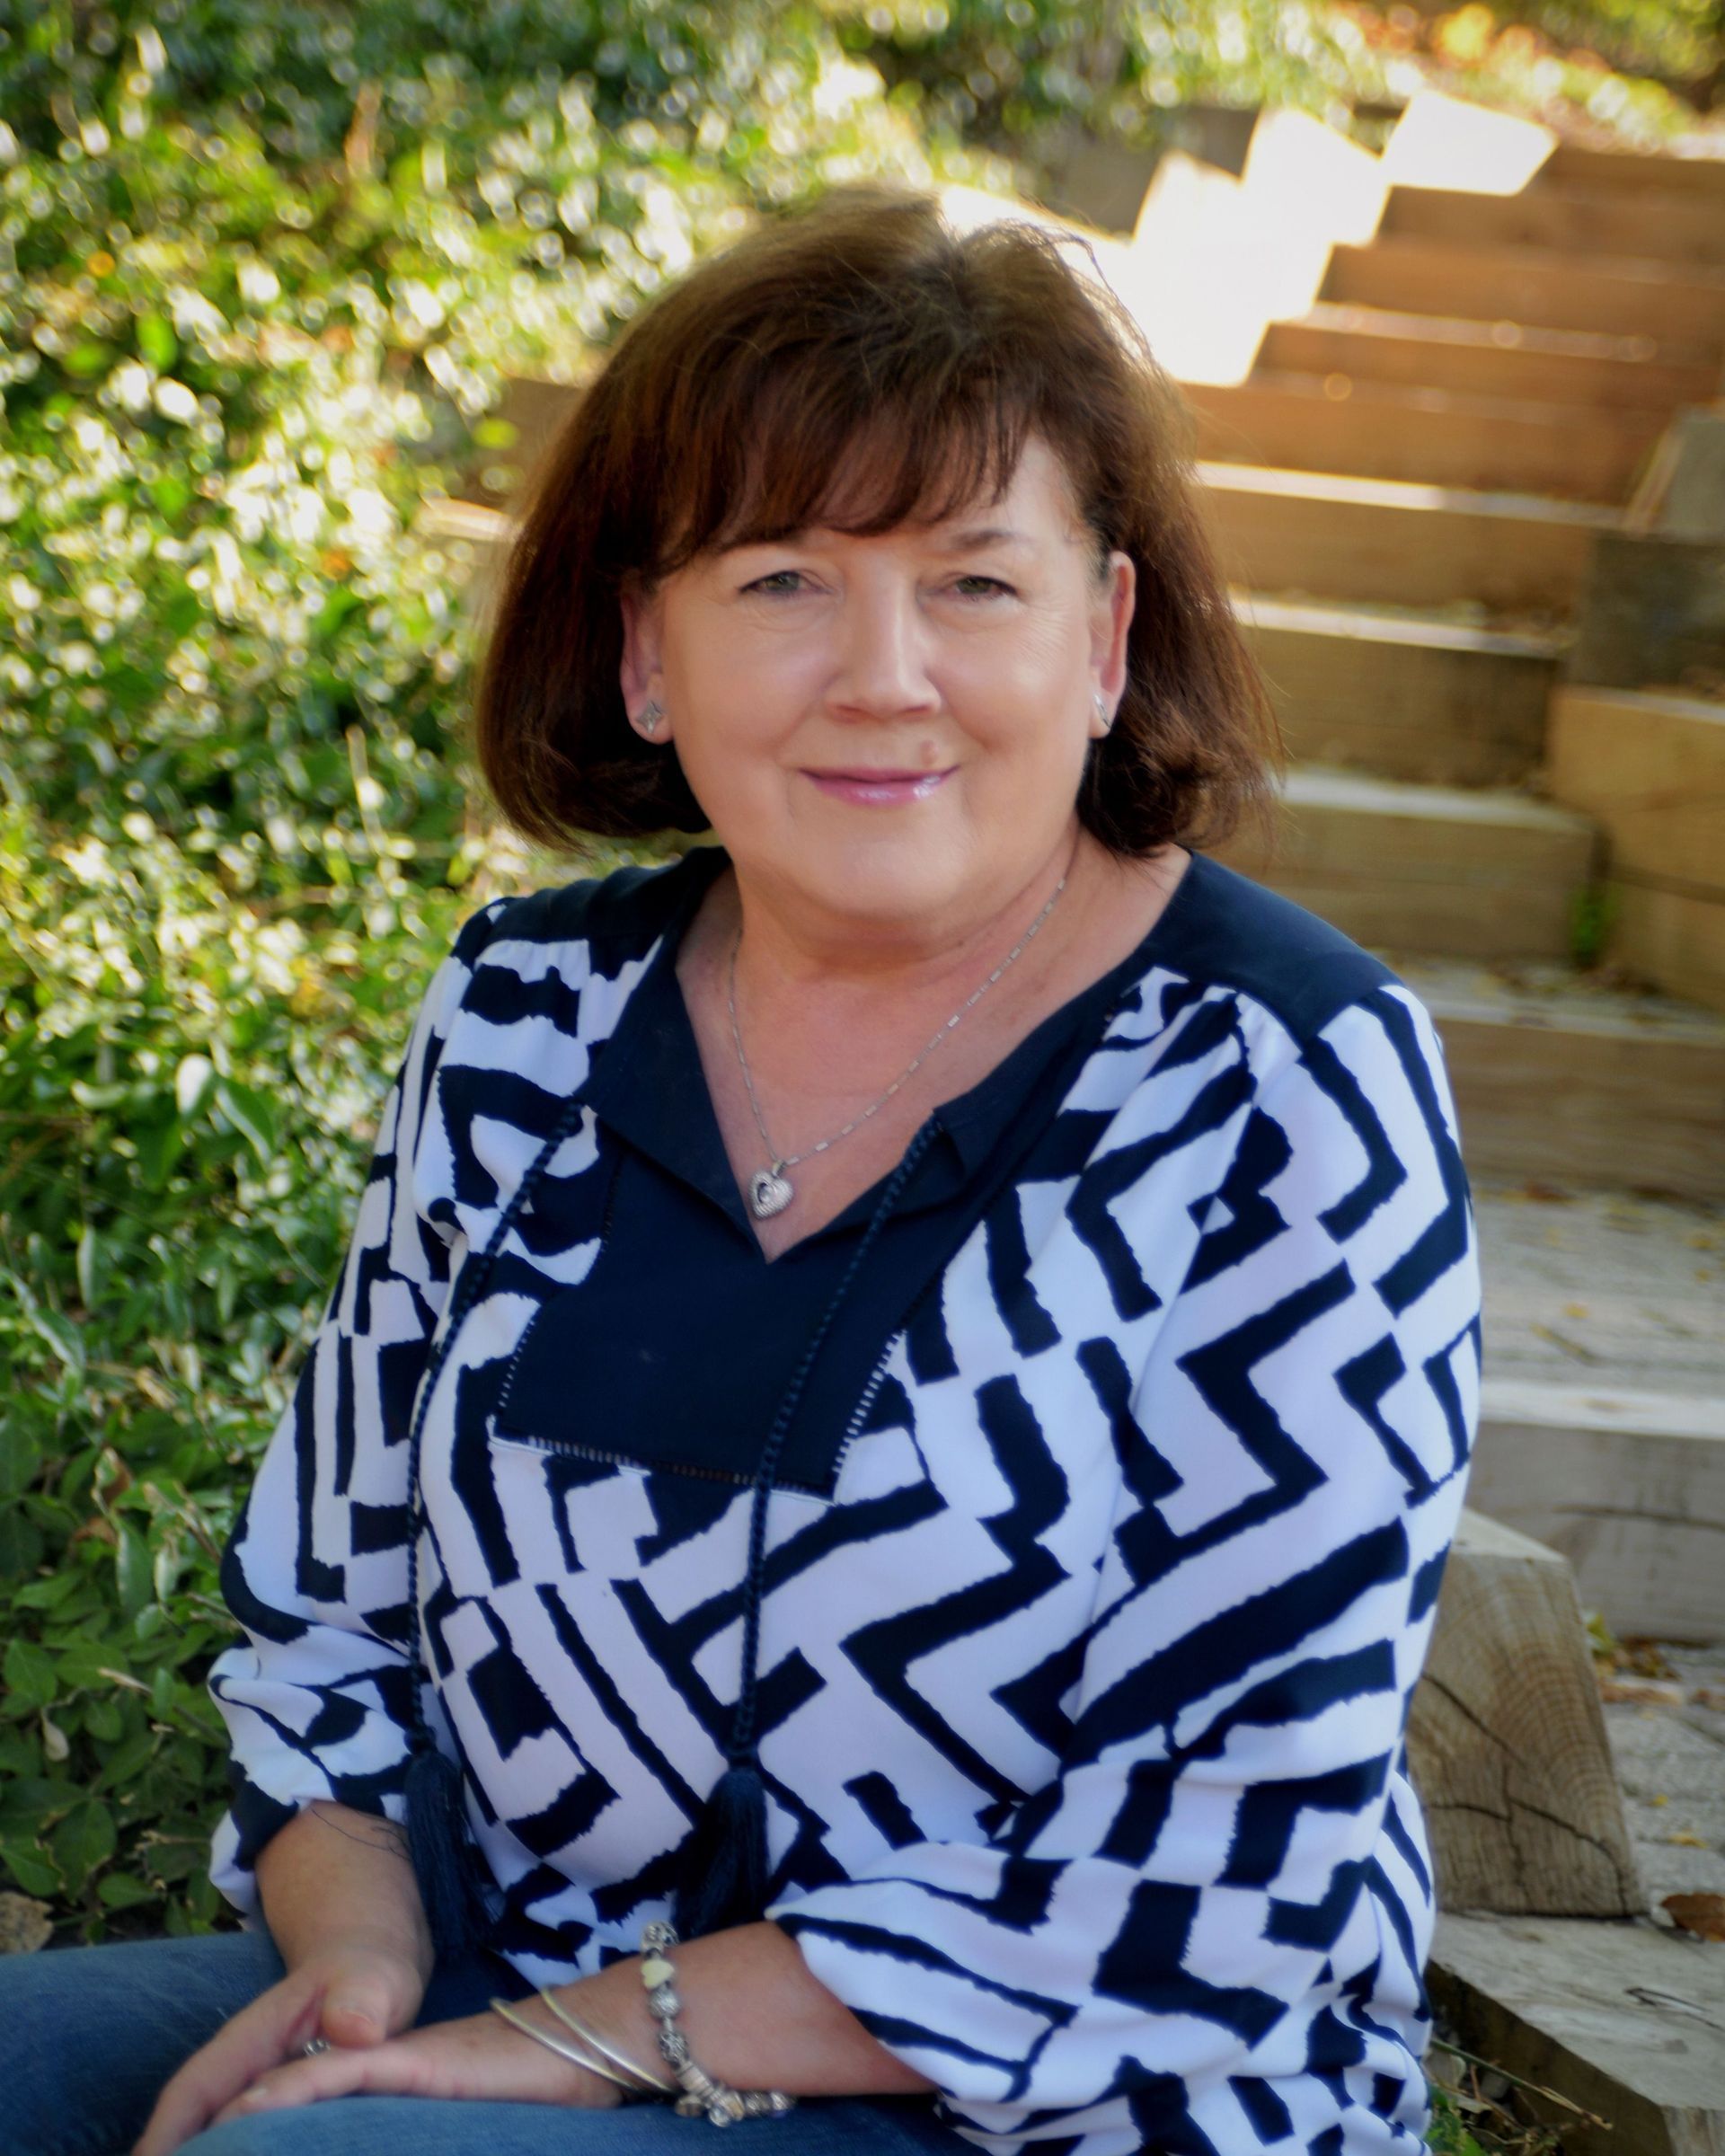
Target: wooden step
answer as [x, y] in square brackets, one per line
[1484, 359]
[1650, 767]
[1404, 695]
[1617, 2030]
[1657, 224]
[1575, 1081]
[1602, 1288]
[1628, 1486]
[1371, 430]
[1538, 288]
[1571, 164]
[1396, 542]
[1602, 1423]
[1428, 868]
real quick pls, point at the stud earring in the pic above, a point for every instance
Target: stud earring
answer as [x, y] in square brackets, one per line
[650, 719]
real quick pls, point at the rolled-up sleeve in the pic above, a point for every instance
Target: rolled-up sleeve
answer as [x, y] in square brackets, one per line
[316, 1700]
[1172, 1944]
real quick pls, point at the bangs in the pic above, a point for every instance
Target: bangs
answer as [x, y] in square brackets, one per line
[799, 443]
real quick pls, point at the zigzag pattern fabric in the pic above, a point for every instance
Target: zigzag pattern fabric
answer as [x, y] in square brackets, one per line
[1083, 1687]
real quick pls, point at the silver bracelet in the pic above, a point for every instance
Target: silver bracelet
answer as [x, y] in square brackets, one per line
[703, 2095]
[649, 2083]
[632, 2090]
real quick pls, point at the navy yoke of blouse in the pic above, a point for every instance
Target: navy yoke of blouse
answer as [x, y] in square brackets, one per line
[685, 1336]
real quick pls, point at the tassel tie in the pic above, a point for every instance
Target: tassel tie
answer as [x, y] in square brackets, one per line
[445, 1864]
[724, 1873]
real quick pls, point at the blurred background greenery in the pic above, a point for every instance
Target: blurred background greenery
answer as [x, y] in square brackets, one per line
[263, 264]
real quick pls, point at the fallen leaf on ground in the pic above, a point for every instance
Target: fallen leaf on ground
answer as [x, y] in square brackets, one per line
[1701, 1914]
[1644, 1691]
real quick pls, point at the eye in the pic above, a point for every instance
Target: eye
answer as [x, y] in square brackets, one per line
[778, 583]
[982, 588]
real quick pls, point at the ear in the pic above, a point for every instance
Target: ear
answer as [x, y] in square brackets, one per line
[641, 673]
[1113, 605]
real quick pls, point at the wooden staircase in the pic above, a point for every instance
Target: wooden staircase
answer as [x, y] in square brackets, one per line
[1408, 487]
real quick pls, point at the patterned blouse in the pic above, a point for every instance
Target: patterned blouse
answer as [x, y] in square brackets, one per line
[1097, 1580]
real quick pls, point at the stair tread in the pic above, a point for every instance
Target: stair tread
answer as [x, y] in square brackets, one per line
[1711, 710]
[1542, 411]
[1408, 627]
[1353, 318]
[1323, 786]
[1630, 269]
[1606, 1293]
[1558, 998]
[1627, 1409]
[1406, 494]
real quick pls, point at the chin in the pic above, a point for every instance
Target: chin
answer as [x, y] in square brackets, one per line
[884, 882]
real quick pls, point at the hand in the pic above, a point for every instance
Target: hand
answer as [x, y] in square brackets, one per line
[481, 2058]
[356, 1995]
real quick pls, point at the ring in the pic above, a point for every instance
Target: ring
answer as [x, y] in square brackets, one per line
[315, 2049]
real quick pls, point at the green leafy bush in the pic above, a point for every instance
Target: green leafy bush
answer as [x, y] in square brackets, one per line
[261, 267]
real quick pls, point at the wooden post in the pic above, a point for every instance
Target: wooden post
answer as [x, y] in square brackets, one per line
[1507, 1741]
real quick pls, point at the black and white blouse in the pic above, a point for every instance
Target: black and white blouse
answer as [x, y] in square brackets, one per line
[1100, 1562]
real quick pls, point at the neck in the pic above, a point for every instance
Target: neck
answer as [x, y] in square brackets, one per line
[781, 947]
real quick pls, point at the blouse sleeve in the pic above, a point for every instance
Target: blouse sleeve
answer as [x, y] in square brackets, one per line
[1190, 1928]
[316, 1700]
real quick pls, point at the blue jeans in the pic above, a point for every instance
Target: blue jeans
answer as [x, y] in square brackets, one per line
[88, 2035]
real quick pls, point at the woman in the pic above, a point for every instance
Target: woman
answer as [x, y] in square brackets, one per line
[902, 1384]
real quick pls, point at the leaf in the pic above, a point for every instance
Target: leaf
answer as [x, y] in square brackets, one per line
[85, 1838]
[158, 1147]
[89, 358]
[122, 1890]
[60, 1333]
[132, 1571]
[30, 1677]
[156, 342]
[191, 1083]
[89, 1267]
[103, 1721]
[170, 495]
[30, 1868]
[1702, 1915]
[21, 1546]
[17, 1455]
[83, 1665]
[253, 1114]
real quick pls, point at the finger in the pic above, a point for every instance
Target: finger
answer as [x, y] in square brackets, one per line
[379, 2069]
[362, 2007]
[256, 2038]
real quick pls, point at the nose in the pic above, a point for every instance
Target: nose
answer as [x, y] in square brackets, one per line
[882, 652]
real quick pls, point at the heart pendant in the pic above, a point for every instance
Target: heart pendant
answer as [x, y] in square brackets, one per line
[768, 1193]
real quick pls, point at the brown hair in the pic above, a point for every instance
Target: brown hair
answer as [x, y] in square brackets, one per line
[862, 347]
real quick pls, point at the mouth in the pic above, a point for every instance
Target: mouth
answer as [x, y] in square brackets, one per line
[878, 789]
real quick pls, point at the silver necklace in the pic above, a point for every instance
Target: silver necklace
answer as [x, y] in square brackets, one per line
[770, 1189]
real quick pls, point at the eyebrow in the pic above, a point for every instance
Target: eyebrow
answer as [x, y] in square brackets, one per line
[984, 534]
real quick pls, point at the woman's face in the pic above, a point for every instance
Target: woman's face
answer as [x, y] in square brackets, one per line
[888, 733]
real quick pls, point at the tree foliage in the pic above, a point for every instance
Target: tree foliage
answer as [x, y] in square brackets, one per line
[260, 269]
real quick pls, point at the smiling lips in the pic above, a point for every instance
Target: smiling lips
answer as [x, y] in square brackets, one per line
[878, 789]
